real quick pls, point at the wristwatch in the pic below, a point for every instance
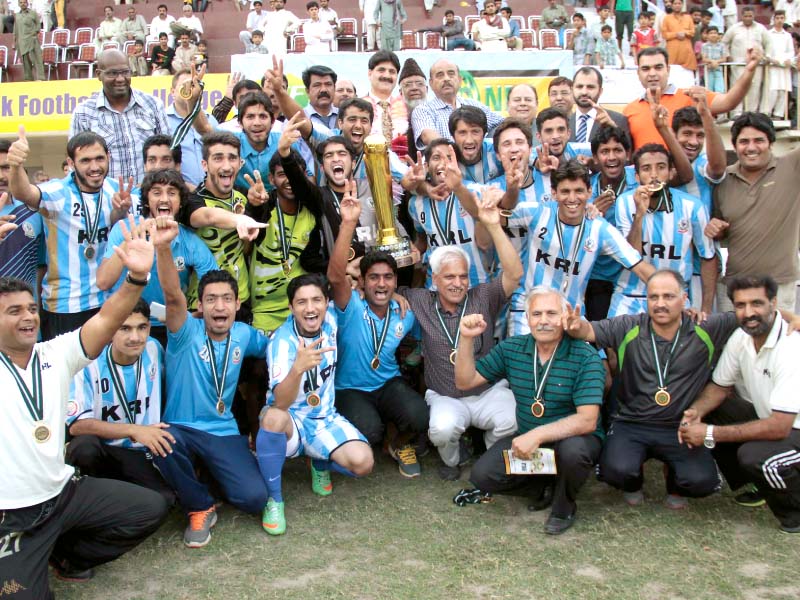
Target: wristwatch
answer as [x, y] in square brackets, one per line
[139, 282]
[709, 442]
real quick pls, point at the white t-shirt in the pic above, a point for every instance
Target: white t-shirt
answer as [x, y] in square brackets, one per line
[32, 472]
[769, 379]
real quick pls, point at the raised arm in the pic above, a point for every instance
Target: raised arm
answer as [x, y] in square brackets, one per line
[166, 231]
[350, 210]
[19, 185]
[723, 103]
[575, 326]
[467, 377]
[274, 78]
[489, 216]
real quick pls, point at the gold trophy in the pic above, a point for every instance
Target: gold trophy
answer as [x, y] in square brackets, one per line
[376, 159]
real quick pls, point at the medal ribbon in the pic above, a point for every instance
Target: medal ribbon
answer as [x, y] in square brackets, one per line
[311, 374]
[453, 343]
[444, 232]
[286, 243]
[34, 400]
[576, 245]
[92, 225]
[376, 343]
[538, 388]
[119, 387]
[219, 383]
[662, 375]
[665, 199]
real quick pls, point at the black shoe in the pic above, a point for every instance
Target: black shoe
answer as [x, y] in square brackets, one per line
[558, 525]
[449, 473]
[544, 500]
[790, 528]
[751, 497]
[66, 572]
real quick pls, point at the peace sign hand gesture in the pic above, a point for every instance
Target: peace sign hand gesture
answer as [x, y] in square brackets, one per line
[309, 357]
[257, 192]
[571, 319]
[547, 162]
[291, 133]
[659, 113]
[121, 200]
[350, 207]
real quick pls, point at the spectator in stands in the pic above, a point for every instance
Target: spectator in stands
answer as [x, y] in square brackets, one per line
[6, 18]
[644, 36]
[589, 116]
[256, 45]
[623, 17]
[123, 116]
[391, 116]
[320, 82]
[109, 30]
[730, 12]
[256, 21]
[344, 89]
[514, 41]
[161, 56]
[491, 30]
[26, 41]
[328, 15]
[717, 19]
[554, 16]
[133, 28]
[201, 56]
[582, 42]
[430, 120]
[318, 34]
[367, 8]
[184, 53]
[604, 12]
[697, 16]
[390, 15]
[740, 38]
[713, 53]
[606, 51]
[453, 31]
[523, 104]
[779, 74]
[559, 92]
[281, 24]
[137, 61]
[161, 24]
[189, 23]
[677, 30]
[792, 10]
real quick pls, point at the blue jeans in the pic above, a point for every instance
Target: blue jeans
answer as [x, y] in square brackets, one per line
[714, 80]
[465, 43]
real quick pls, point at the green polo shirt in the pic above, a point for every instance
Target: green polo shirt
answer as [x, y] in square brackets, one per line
[576, 378]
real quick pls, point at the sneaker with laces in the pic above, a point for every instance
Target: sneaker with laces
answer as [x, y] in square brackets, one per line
[198, 533]
[272, 519]
[750, 497]
[406, 458]
[321, 482]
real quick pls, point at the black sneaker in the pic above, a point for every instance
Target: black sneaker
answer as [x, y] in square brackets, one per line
[558, 525]
[544, 500]
[790, 528]
[750, 497]
[66, 572]
[449, 473]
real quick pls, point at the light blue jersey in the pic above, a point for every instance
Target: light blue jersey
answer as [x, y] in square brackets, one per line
[566, 264]
[94, 395]
[486, 169]
[70, 285]
[22, 250]
[457, 228]
[189, 253]
[606, 268]
[357, 348]
[516, 233]
[542, 180]
[670, 238]
[281, 355]
[253, 160]
[191, 394]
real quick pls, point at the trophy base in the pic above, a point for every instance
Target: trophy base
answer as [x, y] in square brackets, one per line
[400, 251]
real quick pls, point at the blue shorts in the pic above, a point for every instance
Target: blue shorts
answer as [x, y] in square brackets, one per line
[319, 438]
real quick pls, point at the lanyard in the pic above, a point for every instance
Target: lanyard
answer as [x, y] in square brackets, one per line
[92, 224]
[662, 374]
[34, 400]
[119, 387]
[286, 243]
[538, 387]
[219, 383]
[311, 374]
[377, 344]
[665, 199]
[444, 232]
[576, 246]
[453, 342]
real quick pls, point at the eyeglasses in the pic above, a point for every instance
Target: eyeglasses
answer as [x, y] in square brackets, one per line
[113, 74]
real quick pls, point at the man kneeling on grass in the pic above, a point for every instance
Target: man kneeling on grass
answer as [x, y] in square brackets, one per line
[300, 417]
[557, 407]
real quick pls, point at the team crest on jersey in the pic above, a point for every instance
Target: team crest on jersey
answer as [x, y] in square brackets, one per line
[371, 202]
[399, 331]
[590, 245]
[463, 212]
[203, 354]
[237, 355]
[151, 372]
[27, 229]
[72, 408]
[180, 263]
[683, 226]
[276, 371]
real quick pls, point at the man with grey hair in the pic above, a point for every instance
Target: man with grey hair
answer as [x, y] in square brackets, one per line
[558, 407]
[439, 312]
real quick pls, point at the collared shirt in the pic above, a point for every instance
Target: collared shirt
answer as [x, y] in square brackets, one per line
[26, 30]
[125, 132]
[608, 51]
[22, 250]
[555, 17]
[739, 39]
[259, 161]
[279, 24]
[328, 121]
[256, 21]
[592, 115]
[583, 44]
[486, 299]
[159, 25]
[576, 379]
[137, 26]
[108, 31]
[769, 378]
[318, 36]
[435, 113]
[192, 23]
[397, 110]
[764, 219]
[183, 57]
[191, 147]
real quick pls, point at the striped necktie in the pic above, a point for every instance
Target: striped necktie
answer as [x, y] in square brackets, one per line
[582, 129]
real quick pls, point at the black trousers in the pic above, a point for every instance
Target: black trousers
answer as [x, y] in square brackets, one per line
[773, 466]
[396, 402]
[575, 459]
[597, 299]
[54, 324]
[94, 457]
[91, 522]
[691, 472]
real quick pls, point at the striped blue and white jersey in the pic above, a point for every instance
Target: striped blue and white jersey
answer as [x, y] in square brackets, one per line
[670, 239]
[516, 233]
[486, 169]
[281, 354]
[458, 231]
[542, 181]
[606, 268]
[545, 263]
[93, 395]
[22, 250]
[70, 284]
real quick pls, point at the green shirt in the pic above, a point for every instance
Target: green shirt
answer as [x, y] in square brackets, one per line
[576, 378]
[623, 5]
[26, 30]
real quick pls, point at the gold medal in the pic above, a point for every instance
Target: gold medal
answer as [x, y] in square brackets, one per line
[537, 408]
[662, 397]
[89, 252]
[185, 91]
[41, 433]
[655, 186]
[504, 212]
[453, 357]
[313, 399]
[221, 407]
[287, 268]
[351, 254]
[375, 363]
[238, 208]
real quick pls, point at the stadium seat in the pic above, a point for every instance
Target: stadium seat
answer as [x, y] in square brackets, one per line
[568, 35]
[433, 40]
[534, 22]
[519, 21]
[3, 60]
[298, 43]
[83, 35]
[61, 38]
[86, 57]
[469, 21]
[548, 39]
[409, 41]
[528, 37]
[349, 33]
[50, 54]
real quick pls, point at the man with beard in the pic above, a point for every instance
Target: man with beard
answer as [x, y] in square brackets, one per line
[414, 88]
[476, 157]
[320, 82]
[124, 117]
[78, 212]
[664, 363]
[369, 388]
[164, 194]
[757, 440]
[589, 117]
[300, 417]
